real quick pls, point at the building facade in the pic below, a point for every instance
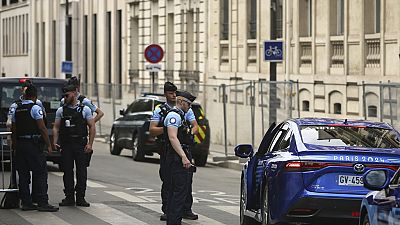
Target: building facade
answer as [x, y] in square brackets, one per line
[15, 40]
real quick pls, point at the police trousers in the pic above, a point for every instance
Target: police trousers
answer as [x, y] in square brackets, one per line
[165, 186]
[30, 157]
[73, 152]
[178, 191]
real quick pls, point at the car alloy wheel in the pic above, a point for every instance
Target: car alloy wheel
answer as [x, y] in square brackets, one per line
[136, 152]
[242, 202]
[366, 220]
[265, 208]
[244, 220]
[114, 149]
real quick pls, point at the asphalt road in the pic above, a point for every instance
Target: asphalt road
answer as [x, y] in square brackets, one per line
[123, 191]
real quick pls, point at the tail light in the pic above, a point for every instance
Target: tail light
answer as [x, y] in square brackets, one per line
[303, 166]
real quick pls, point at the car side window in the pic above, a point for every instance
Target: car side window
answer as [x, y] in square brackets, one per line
[396, 178]
[285, 141]
[140, 105]
[278, 137]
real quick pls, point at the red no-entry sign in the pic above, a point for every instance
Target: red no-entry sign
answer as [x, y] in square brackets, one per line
[153, 53]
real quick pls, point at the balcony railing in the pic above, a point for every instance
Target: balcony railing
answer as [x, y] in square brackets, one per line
[337, 59]
[373, 53]
[306, 54]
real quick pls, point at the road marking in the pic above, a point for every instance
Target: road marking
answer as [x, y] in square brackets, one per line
[111, 215]
[203, 220]
[234, 210]
[127, 197]
[89, 183]
[40, 218]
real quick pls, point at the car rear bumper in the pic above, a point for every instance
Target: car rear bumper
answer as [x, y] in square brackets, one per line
[311, 209]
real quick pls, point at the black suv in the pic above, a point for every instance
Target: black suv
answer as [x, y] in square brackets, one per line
[49, 93]
[131, 131]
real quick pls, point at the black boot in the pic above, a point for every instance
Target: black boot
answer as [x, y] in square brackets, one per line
[80, 201]
[68, 201]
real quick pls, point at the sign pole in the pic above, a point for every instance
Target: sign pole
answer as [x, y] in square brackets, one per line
[272, 71]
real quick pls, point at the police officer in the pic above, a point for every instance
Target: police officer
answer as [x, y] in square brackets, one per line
[24, 85]
[73, 123]
[179, 138]
[156, 129]
[29, 133]
[84, 100]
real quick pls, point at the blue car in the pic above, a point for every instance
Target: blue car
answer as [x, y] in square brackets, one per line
[311, 170]
[382, 205]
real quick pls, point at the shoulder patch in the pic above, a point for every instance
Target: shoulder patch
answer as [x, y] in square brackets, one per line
[40, 112]
[172, 121]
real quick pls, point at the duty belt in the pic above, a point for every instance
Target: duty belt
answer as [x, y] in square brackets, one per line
[33, 136]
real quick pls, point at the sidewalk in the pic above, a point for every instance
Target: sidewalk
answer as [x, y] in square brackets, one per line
[217, 157]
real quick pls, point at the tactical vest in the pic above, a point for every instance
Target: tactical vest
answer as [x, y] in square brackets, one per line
[72, 122]
[80, 98]
[184, 135]
[25, 124]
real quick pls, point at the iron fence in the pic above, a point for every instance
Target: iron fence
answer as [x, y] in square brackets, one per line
[240, 112]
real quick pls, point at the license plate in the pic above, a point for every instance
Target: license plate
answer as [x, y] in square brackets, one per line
[345, 180]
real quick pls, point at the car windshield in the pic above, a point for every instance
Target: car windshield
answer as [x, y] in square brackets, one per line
[352, 136]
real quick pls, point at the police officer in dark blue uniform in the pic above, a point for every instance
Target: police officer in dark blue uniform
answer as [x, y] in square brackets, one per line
[73, 123]
[29, 134]
[157, 129]
[179, 138]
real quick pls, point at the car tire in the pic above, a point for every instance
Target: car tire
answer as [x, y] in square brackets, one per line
[366, 220]
[114, 148]
[200, 160]
[265, 208]
[137, 152]
[244, 220]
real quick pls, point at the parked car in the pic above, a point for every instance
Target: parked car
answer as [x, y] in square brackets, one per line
[310, 170]
[382, 205]
[131, 130]
[49, 93]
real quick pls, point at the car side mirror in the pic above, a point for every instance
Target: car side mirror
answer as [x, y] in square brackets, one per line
[376, 179]
[122, 112]
[244, 150]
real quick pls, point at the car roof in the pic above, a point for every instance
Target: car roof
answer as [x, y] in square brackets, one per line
[159, 97]
[35, 80]
[327, 121]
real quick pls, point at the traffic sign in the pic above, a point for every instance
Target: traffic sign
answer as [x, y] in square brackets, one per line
[273, 51]
[66, 67]
[153, 53]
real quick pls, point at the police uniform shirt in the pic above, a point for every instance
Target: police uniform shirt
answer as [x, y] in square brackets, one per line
[173, 119]
[86, 102]
[86, 112]
[156, 113]
[14, 106]
[189, 115]
[36, 112]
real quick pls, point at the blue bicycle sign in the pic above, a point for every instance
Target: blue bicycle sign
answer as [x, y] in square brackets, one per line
[273, 51]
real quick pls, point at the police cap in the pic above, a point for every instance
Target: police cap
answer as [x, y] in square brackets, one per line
[169, 86]
[68, 88]
[186, 95]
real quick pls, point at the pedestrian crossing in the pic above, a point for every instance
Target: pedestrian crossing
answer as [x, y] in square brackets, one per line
[125, 206]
